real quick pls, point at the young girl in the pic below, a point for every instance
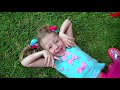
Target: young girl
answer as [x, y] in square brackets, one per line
[59, 51]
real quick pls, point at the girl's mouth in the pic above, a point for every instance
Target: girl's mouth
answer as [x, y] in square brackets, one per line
[59, 51]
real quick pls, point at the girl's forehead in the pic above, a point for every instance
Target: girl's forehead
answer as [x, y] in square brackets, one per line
[48, 39]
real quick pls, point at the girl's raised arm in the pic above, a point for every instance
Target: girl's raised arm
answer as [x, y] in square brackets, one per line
[66, 33]
[66, 28]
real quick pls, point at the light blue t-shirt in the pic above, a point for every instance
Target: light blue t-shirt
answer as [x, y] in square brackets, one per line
[77, 64]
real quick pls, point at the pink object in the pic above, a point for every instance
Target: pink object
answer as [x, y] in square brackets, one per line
[74, 57]
[110, 66]
[84, 65]
[53, 28]
[103, 75]
[114, 67]
[111, 54]
[62, 68]
[66, 54]
[34, 46]
[114, 72]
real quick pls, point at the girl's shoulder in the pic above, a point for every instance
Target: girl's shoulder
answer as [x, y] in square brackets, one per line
[73, 48]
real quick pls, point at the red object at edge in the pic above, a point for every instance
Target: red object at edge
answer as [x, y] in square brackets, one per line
[117, 14]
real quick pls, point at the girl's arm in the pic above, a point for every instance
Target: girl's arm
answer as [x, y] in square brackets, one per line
[66, 33]
[37, 63]
[66, 28]
[35, 60]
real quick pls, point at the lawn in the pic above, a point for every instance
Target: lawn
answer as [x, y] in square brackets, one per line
[95, 33]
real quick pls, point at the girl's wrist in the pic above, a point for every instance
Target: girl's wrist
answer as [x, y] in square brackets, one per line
[61, 33]
[43, 51]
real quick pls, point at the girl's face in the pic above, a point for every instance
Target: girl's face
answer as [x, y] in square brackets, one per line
[53, 44]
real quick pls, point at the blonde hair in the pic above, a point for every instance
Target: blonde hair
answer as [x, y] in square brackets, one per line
[42, 32]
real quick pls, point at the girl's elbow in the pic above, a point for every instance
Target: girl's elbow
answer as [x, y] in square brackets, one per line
[24, 64]
[68, 20]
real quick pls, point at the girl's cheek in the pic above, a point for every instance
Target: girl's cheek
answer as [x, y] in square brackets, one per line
[52, 51]
[62, 43]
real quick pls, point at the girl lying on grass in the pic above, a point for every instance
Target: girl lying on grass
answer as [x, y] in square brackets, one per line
[58, 50]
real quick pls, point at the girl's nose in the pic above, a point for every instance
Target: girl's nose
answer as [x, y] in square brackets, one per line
[56, 47]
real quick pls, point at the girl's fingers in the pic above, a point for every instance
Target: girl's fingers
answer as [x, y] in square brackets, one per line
[49, 60]
[66, 45]
[45, 60]
[69, 44]
[54, 66]
[52, 62]
[71, 38]
[72, 42]
[56, 58]
[66, 42]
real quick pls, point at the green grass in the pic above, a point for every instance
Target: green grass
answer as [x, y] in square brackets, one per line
[95, 33]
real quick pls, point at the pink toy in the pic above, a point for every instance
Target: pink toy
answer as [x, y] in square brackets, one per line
[112, 54]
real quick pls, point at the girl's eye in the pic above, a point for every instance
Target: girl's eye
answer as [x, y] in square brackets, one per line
[50, 47]
[57, 41]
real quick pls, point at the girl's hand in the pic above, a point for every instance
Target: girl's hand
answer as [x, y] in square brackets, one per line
[49, 58]
[69, 41]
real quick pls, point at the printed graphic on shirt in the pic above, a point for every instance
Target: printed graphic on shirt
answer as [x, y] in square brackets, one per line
[83, 66]
[74, 57]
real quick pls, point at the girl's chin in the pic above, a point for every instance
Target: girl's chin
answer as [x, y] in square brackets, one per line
[61, 54]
